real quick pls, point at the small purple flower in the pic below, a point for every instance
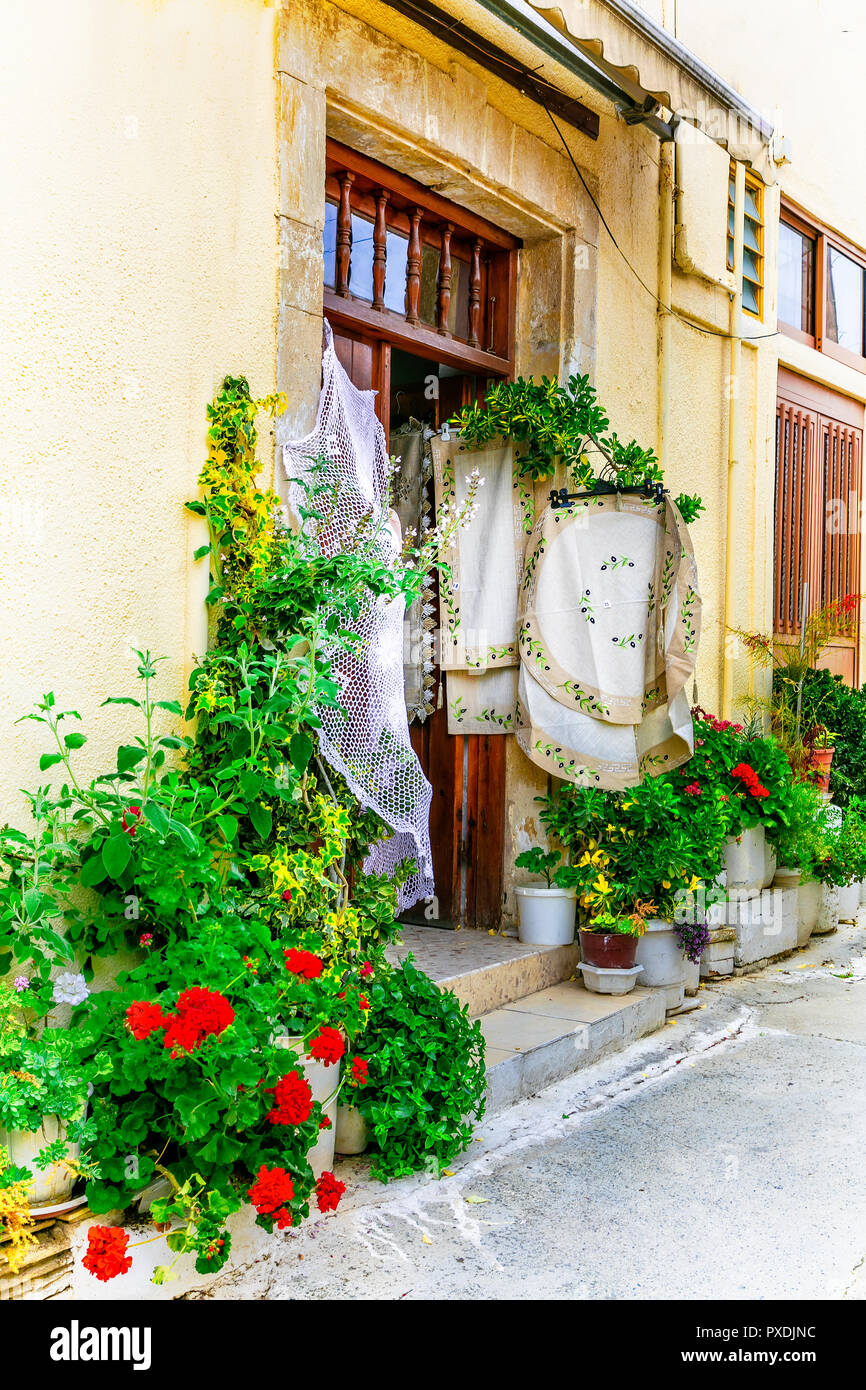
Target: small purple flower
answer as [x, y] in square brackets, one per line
[21, 983]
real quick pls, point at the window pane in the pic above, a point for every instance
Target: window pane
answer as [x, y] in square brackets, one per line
[751, 204]
[458, 313]
[796, 277]
[329, 243]
[750, 297]
[429, 277]
[844, 301]
[361, 264]
[396, 248]
[750, 236]
[751, 266]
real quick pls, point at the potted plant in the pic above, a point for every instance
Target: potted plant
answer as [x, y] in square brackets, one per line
[43, 1106]
[796, 722]
[693, 937]
[822, 745]
[545, 915]
[607, 944]
[801, 845]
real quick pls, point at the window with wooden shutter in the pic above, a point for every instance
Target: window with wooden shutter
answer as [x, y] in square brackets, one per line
[753, 243]
[819, 490]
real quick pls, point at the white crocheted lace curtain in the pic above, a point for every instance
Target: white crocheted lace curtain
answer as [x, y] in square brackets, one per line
[367, 740]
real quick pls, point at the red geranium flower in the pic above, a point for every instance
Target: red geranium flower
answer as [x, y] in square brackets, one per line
[363, 1001]
[143, 1019]
[106, 1252]
[366, 969]
[271, 1190]
[327, 1046]
[294, 1100]
[131, 825]
[692, 789]
[283, 1218]
[329, 1190]
[286, 895]
[303, 963]
[201, 1013]
[325, 1123]
[359, 1072]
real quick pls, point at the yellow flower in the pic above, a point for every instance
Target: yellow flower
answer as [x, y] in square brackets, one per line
[665, 883]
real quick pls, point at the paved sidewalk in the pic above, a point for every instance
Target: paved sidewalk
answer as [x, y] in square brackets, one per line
[720, 1158]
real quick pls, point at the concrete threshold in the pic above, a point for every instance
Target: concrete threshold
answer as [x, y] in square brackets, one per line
[484, 971]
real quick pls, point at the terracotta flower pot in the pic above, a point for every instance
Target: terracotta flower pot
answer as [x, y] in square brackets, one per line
[819, 767]
[611, 950]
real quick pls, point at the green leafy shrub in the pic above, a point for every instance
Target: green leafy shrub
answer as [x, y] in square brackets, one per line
[555, 422]
[426, 1078]
[828, 700]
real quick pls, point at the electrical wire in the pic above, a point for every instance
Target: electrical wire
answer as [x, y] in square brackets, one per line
[668, 308]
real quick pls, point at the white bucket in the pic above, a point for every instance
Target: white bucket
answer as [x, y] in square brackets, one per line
[353, 1136]
[545, 916]
[745, 859]
[693, 975]
[323, 1082]
[809, 906]
[828, 913]
[849, 902]
[660, 954]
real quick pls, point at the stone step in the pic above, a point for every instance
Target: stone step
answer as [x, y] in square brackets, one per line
[485, 972]
[546, 1036]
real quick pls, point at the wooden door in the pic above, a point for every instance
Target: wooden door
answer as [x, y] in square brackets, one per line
[819, 451]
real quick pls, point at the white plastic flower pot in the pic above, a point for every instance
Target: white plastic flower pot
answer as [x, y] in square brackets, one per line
[828, 913]
[353, 1136]
[863, 892]
[849, 902]
[786, 877]
[809, 906]
[664, 966]
[769, 863]
[51, 1186]
[745, 861]
[605, 979]
[545, 916]
[693, 975]
[323, 1082]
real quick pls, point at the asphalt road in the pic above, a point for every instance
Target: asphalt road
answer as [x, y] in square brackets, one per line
[720, 1158]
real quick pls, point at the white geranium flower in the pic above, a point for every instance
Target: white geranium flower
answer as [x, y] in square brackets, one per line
[70, 989]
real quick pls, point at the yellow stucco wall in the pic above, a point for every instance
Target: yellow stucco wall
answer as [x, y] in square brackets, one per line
[165, 227]
[140, 265]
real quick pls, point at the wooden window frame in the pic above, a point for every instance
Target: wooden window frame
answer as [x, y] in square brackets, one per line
[756, 187]
[499, 249]
[824, 237]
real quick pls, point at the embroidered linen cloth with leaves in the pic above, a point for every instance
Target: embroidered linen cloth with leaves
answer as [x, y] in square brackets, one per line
[609, 621]
[478, 589]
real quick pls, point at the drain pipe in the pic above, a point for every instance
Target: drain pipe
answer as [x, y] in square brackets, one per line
[731, 522]
[663, 314]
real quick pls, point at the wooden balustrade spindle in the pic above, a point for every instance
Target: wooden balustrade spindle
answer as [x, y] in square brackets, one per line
[380, 238]
[444, 305]
[413, 270]
[344, 234]
[475, 295]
